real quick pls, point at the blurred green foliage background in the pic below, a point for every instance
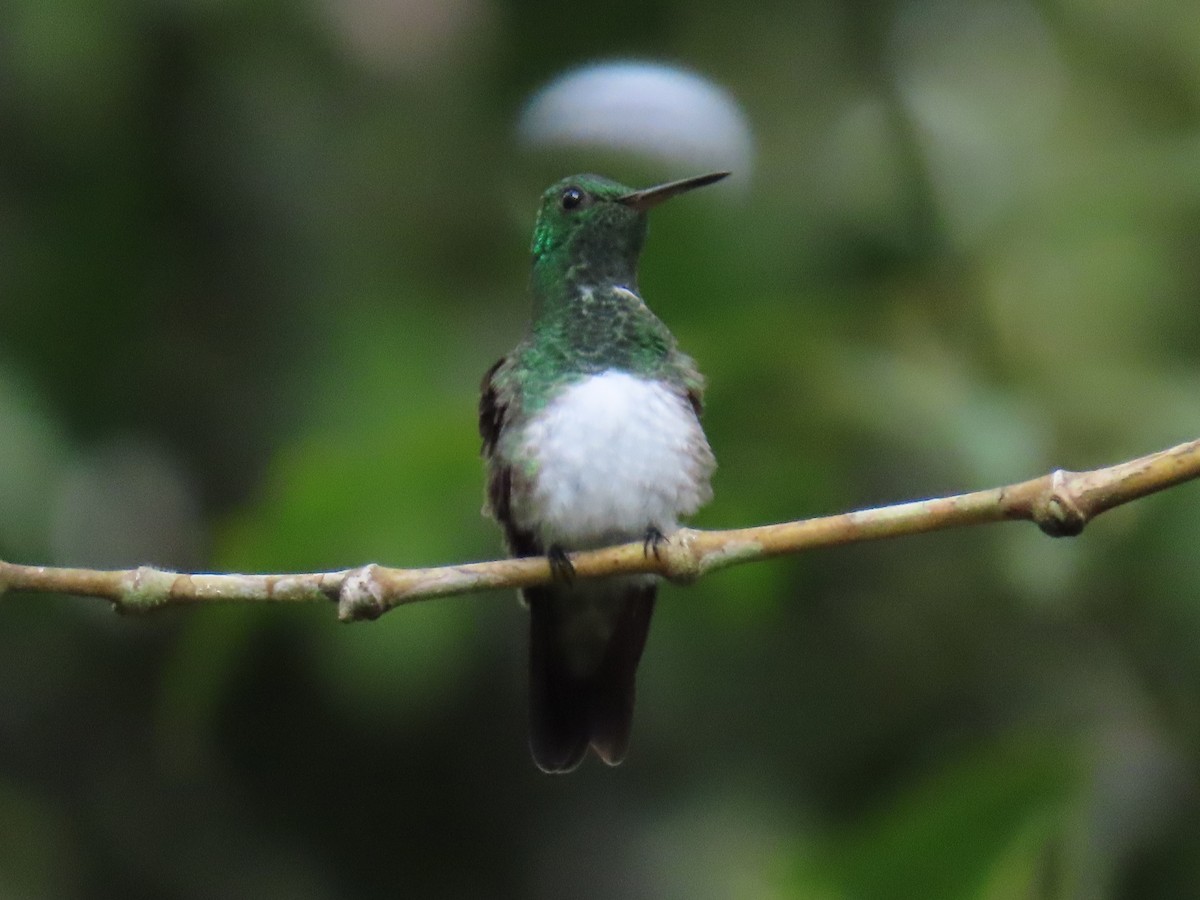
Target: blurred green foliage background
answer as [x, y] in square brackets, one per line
[255, 256]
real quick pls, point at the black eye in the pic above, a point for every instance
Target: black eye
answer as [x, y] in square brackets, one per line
[572, 198]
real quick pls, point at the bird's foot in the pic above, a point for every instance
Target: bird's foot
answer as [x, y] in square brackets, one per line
[652, 541]
[561, 567]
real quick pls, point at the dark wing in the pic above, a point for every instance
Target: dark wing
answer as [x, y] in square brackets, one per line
[491, 410]
[681, 369]
[492, 417]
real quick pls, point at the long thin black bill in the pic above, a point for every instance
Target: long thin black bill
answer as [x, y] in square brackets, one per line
[643, 200]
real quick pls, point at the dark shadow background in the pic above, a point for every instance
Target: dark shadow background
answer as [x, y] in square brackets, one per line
[254, 257]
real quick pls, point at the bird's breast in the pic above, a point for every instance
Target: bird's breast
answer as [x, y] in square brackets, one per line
[610, 456]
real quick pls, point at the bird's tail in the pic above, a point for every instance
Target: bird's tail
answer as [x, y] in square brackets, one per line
[571, 709]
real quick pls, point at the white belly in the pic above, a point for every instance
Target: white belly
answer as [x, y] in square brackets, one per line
[612, 456]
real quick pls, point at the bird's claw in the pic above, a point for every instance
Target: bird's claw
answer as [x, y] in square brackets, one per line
[561, 567]
[653, 540]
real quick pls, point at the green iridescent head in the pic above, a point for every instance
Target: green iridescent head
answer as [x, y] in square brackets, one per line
[588, 223]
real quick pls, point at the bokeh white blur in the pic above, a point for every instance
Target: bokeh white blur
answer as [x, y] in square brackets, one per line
[658, 112]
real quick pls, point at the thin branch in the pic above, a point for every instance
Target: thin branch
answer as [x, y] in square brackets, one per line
[1060, 503]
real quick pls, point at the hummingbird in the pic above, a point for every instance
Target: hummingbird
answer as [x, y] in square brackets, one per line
[591, 437]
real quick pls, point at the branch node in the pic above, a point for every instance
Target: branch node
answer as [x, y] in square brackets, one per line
[1056, 511]
[361, 596]
[678, 557]
[143, 589]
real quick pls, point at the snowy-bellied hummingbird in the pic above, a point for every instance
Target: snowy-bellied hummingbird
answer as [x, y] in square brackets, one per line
[591, 437]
